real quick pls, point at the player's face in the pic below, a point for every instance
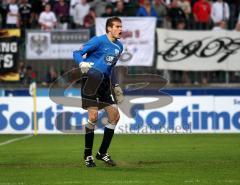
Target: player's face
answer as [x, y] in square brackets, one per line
[116, 30]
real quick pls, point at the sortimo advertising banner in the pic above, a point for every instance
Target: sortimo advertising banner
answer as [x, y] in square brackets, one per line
[198, 114]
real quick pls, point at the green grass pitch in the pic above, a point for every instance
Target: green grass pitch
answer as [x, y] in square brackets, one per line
[201, 159]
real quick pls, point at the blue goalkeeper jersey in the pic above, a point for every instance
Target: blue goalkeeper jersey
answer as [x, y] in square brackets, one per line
[102, 52]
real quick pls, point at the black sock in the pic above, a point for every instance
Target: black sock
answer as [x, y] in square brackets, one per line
[89, 137]
[108, 134]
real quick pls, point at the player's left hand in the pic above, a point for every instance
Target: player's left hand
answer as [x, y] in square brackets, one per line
[85, 66]
[118, 94]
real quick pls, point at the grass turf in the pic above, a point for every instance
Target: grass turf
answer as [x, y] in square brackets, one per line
[142, 159]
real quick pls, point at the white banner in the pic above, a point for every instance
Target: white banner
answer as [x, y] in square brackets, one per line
[54, 44]
[198, 114]
[198, 50]
[138, 40]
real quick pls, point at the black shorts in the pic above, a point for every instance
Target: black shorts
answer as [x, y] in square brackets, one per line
[96, 91]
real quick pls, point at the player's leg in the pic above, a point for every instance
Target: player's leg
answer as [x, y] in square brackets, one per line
[89, 102]
[113, 118]
[89, 136]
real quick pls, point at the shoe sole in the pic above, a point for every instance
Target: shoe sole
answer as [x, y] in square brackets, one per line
[91, 166]
[106, 162]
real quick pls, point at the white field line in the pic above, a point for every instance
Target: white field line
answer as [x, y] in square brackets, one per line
[15, 140]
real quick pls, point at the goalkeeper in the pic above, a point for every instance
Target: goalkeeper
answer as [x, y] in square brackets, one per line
[102, 53]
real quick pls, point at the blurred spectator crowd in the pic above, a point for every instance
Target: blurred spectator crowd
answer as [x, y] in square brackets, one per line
[76, 14]
[73, 14]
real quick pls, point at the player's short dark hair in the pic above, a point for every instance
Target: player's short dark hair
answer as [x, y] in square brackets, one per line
[110, 21]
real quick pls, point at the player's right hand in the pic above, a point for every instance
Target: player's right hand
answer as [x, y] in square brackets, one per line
[85, 66]
[118, 94]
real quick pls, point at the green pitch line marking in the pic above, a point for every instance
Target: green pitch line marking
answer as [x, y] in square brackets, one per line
[15, 140]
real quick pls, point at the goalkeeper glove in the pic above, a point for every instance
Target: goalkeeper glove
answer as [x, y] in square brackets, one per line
[118, 94]
[85, 66]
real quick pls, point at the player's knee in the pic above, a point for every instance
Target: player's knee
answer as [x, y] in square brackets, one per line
[116, 118]
[93, 117]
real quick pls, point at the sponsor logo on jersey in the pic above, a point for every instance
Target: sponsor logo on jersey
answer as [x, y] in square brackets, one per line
[111, 59]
